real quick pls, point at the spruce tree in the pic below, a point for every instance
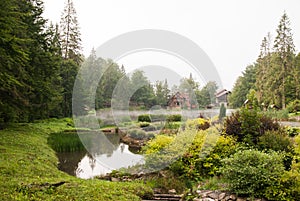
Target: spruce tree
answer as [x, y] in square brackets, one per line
[14, 57]
[70, 33]
[284, 49]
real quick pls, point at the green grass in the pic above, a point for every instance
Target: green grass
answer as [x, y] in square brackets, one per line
[65, 142]
[28, 165]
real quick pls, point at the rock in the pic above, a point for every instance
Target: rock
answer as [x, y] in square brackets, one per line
[172, 191]
[204, 193]
[233, 197]
[222, 196]
[241, 199]
[213, 195]
[207, 199]
[113, 179]
[197, 199]
[227, 198]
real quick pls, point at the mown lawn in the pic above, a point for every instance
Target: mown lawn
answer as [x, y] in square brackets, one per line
[28, 169]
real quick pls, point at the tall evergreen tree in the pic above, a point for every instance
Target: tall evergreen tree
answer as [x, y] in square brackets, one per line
[14, 57]
[263, 65]
[297, 76]
[70, 33]
[284, 49]
[70, 42]
[43, 67]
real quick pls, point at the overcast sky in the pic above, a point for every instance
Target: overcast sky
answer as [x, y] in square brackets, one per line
[229, 31]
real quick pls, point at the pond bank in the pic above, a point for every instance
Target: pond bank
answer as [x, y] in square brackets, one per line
[29, 169]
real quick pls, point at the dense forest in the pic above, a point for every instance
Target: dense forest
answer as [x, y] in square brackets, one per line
[275, 74]
[40, 61]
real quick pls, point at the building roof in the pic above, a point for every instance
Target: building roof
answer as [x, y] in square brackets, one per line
[222, 92]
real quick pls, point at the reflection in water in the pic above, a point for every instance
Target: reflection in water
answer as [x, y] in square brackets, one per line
[103, 157]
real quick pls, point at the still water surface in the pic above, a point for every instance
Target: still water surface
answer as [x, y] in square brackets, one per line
[100, 159]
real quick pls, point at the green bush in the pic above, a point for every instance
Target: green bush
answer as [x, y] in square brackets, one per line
[108, 122]
[203, 157]
[172, 125]
[158, 117]
[222, 112]
[224, 147]
[277, 114]
[144, 124]
[156, 144]
[144, 118]
[294, 106]
[174, 117]
[248, 125]
[251, 172]
[150, 128]
[288, 187]
[186, 166]
[137, 134]
[292, 131]
[280, 142]
[275, 140]
[198, 124]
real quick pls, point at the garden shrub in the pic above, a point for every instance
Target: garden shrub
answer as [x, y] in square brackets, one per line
[288, 187]
[165, 150]
[292, 131]
[157, 144]
[277, 114]
[172, 125]
[186, 165]
[232, 125]
[222, 113]
[199, 124]
[267, 123]
[248, 125]
[107, 122]
[144, 124]
[174, 117]
[144, 118]
[137, 134]
[224, 147]
[150, 128]
[203, 157]
[158, 117]
[280, 142]
[252, 172]
[275, 140]
[294, 106]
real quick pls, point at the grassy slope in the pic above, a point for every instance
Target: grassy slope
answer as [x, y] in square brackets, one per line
[27, 164]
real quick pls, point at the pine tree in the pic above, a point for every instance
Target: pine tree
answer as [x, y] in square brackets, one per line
[70, 34]
[284, 49]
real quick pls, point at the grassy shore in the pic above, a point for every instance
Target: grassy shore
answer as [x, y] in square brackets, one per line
[28, 169]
